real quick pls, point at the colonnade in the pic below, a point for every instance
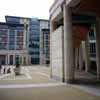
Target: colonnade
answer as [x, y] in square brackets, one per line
[24, 59]
[69, 58]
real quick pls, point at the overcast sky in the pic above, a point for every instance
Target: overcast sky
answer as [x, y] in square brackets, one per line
[25, 8]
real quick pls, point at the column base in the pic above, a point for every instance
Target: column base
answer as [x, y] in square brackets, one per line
[57, 78]
[98, 77]
[70, 81]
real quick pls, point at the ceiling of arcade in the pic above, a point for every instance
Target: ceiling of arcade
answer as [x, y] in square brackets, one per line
[80, 31]
[85, 7]
[88, 6]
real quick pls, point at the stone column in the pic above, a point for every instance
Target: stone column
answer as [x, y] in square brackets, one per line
[68, 45]
[76, 58]
[30, 59]
[51, 30]
[8, 59]
[22, 60]
[86, 56]
[13, 59]
[41, 47]
[80, 58]
[98, 46]
[26, 60]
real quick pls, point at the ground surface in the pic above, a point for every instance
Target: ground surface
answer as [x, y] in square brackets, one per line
[46, 93]
[39, 86]
[32, 74]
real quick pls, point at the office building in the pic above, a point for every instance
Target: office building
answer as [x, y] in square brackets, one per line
[13, 43]
[34, 40]
[33, 29]
[44, 42]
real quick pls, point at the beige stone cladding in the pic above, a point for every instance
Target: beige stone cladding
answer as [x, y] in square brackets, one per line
[57, 54]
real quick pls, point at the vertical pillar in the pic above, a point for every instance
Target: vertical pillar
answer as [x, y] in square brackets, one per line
[80, 58]
[51, 30]
[86, 56]
[26, 60]
[76, 58]
[15, 39]
[68, 46]
[13, 59]
[22, 60]
[98, 46]
[8, 59]
[41, 47]
[30, 59]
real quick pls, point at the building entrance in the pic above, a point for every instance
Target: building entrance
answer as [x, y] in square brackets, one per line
[2, 59]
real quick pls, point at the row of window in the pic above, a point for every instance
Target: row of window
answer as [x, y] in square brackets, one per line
[11, 46]
[34, 53]
[92, 48]
[92, 35]
[11, 32]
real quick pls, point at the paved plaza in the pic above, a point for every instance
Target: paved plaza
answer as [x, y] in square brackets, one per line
[61, 92]
[35, 84]
[29, 75]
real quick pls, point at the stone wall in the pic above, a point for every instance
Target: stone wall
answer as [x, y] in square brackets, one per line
[57, 54]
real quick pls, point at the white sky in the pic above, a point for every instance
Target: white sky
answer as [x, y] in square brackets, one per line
[25, 8]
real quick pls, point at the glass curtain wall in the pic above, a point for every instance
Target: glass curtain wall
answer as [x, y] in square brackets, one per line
[34, 41]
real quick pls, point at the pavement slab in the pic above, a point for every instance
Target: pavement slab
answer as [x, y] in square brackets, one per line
[60, 92]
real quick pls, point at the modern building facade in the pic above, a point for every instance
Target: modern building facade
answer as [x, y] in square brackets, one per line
[34, 40]
[30, 40]
[44, 42]
[13, 43]
[92, 44]
[39, 41]
[70, 24]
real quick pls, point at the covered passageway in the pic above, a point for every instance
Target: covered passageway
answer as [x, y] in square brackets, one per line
[71, 21]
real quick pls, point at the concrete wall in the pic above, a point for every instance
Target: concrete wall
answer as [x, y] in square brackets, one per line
[57, 54]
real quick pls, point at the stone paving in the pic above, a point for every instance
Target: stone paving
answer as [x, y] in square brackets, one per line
[61, 92]
[37, 85]
[25, 75]
[30, 75]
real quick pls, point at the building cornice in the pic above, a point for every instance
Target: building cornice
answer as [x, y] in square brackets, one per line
[57, 3]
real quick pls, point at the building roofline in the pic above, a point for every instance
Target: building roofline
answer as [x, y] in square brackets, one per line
[26, 18]
[16, 17]
[43, 20]
[3, 23]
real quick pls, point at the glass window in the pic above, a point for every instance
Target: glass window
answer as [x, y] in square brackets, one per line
[4, 32]
[11, 47]
[19, 39]
[3, 45]
[0, 46]
[19, 43]
[0, 39]
[12, 32]
[11, 39]
[19, 47]
[19, 33]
